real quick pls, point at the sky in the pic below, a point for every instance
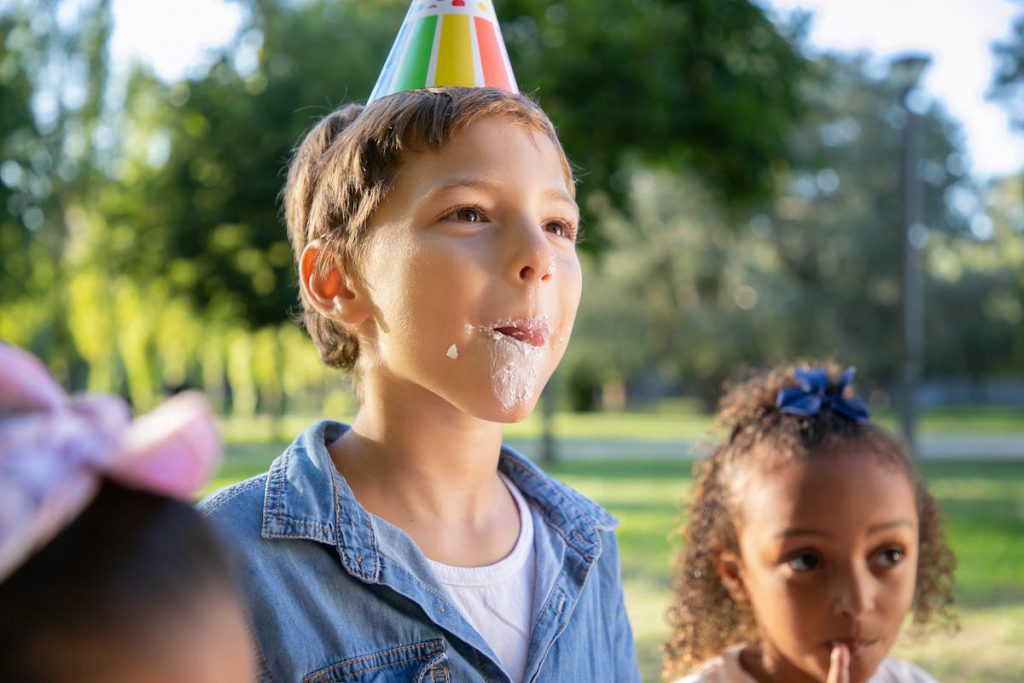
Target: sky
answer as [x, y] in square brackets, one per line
[175, 36]
[956, 33]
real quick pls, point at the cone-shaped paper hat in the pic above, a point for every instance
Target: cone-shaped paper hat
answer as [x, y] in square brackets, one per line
[447, 42]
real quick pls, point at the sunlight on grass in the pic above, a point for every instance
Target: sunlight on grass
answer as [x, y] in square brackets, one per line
[669, 420]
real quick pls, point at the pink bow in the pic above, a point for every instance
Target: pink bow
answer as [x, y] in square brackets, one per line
[54, 451]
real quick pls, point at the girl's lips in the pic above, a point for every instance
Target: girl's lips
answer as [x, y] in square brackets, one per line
[853, 645]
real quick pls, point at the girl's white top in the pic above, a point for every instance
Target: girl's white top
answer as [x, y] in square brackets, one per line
[726, 669]
[498, 599]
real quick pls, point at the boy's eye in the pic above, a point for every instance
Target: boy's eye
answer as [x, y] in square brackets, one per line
[890, 557]
[467, 214]
[561, 229]
[803, 562]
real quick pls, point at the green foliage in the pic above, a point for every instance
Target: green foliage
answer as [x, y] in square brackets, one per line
[980, 280]
[1008, 83]
[583, 386]
[703, 86]
[48, 158]
[817, 274]
[206, 157]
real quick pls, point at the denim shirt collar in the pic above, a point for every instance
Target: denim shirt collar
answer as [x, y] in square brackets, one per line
[306, 498]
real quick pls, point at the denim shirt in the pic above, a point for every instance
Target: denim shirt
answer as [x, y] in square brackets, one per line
[338, 594]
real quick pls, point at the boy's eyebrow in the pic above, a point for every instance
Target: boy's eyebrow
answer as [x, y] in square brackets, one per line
[884, 526]
[489, 185]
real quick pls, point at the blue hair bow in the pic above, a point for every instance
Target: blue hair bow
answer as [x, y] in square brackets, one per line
[812, 395]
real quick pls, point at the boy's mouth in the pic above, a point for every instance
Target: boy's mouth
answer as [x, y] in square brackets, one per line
[532, 331]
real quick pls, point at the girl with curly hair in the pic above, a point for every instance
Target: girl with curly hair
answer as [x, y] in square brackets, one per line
[811, 537]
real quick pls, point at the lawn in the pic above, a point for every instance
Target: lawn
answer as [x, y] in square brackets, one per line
[669, 420]
[984, 507]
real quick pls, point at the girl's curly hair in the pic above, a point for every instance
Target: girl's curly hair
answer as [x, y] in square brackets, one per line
[703, 616]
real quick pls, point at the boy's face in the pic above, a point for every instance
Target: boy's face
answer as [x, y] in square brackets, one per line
[829, 555]
[472, 274]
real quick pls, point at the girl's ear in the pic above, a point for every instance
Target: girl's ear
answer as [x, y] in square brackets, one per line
[331, 290]
[729, 566]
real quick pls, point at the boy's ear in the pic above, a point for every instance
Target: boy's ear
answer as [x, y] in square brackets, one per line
[331, 290]
[729, 566]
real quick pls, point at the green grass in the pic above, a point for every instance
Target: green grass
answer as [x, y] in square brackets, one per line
[983, 503]
[669, 420]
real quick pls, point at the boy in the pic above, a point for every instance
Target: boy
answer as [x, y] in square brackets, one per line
[434, 231]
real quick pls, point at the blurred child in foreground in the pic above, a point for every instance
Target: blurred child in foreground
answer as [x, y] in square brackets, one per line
[107, 572]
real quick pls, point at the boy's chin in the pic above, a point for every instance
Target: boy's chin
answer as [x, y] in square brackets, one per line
[494, 411]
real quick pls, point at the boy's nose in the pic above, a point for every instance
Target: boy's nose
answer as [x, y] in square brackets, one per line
[534, 261]
[854, 593]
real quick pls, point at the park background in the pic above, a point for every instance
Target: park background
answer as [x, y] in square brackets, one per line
[744, 199]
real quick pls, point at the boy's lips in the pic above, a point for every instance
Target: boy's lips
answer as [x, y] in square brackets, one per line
[532, 331]
[528, 335]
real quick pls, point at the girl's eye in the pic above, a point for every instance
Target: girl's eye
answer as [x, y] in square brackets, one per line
[890, 557]
[562, 229]
[803, 562]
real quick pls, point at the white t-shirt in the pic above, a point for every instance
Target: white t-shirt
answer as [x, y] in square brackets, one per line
[726, 668]
[498, 599]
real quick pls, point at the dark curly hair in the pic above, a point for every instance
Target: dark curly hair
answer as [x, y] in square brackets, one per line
[703, 616]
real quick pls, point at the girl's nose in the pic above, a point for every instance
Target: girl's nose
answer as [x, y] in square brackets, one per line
[854, 593]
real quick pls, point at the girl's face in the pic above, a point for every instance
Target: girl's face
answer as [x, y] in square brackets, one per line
[828, 555]
[472, 274]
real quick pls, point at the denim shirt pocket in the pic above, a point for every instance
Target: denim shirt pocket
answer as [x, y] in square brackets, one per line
[425, 662]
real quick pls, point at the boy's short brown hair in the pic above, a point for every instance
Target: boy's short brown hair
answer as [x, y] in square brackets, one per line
[346, 166]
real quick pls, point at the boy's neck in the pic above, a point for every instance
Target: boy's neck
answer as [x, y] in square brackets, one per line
[431, 470]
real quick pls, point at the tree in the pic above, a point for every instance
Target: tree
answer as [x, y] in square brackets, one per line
[816, 274]
[48, 163]
[1008, 83]
[707, 87]
[976, 291]
[204, 159]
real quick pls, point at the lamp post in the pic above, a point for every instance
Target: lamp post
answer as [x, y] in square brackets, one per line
[906, 72]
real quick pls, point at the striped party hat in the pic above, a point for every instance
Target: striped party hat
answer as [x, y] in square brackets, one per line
[447, 43]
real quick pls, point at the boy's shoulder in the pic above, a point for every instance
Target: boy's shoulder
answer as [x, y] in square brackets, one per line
[290, 491]
[239, 502]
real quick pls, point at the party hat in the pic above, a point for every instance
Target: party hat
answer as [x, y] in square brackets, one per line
[447, 43]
